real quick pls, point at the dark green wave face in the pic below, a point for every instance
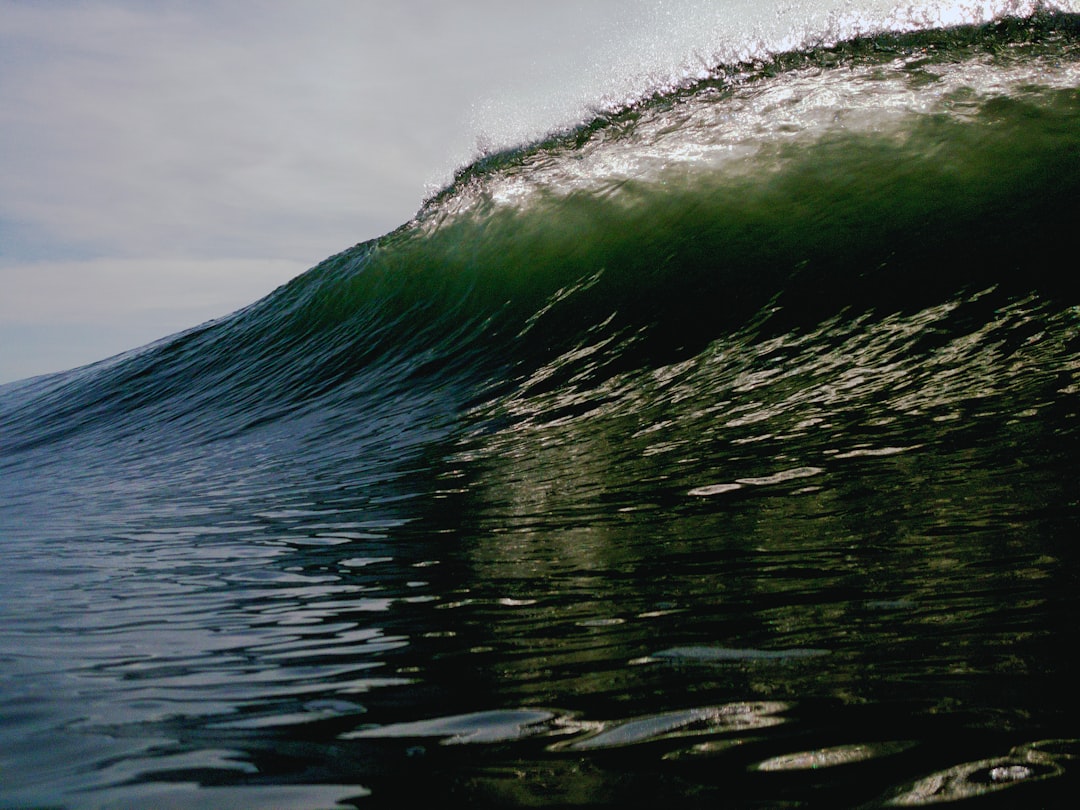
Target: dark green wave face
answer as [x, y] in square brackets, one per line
[721, 449]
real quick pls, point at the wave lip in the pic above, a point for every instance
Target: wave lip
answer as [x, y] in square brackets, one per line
[659, 50]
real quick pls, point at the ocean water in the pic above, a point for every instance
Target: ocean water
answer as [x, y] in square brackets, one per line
[718, 451]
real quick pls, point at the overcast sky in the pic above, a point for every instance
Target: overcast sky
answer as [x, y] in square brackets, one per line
[163, 163]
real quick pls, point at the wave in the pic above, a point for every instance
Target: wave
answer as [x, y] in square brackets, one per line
[879, 178]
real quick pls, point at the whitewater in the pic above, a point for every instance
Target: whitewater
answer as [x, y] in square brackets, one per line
[709, 439]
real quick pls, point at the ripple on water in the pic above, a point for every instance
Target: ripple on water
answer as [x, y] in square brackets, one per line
[718, 655]
[476, 727]
[833, 756]
[519, 724]
[781, 477]
[1032, 762]
[185, 795]
[723, 719]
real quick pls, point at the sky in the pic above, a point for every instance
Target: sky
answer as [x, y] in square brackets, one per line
[165, 163]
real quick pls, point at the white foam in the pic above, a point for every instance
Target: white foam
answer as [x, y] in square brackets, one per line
[649, 48]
